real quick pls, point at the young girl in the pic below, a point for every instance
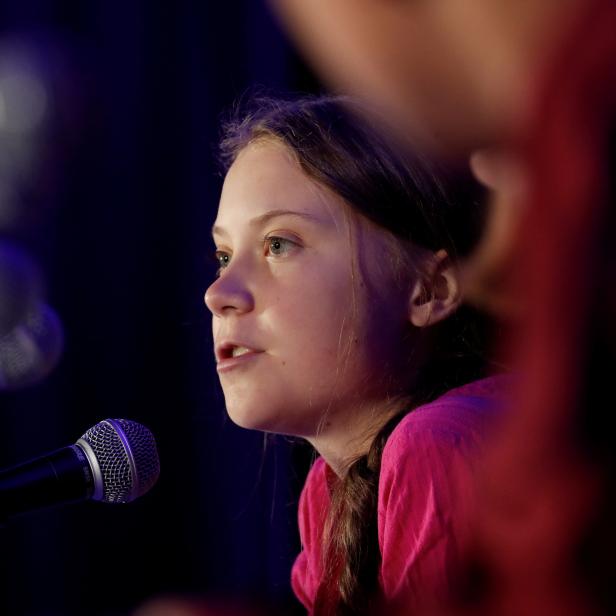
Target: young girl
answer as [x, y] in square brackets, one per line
[337, 318]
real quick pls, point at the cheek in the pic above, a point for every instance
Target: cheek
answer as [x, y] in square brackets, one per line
[308, 324]
[338, 345]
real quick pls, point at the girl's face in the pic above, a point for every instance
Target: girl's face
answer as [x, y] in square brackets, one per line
[306, 317]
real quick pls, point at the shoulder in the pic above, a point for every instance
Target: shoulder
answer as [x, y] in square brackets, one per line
[461, 418]
[437, 441]
[426, 488]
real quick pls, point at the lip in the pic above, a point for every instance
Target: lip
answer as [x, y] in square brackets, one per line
[224, 359]
[225, 365]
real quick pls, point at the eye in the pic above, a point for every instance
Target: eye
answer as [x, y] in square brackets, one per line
[223, 259]
[278, 246]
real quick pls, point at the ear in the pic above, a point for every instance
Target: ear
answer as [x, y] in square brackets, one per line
[436, 294]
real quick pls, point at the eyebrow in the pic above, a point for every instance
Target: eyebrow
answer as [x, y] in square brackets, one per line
[268, 216]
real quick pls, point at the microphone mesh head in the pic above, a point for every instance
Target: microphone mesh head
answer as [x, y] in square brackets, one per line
[126, 454]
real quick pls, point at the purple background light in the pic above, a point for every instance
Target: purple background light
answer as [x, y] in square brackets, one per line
[115, 206]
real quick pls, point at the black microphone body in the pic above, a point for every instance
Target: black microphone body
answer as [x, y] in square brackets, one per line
[115, 461]
[63, 476]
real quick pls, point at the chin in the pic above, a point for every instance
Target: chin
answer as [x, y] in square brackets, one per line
[249, 417]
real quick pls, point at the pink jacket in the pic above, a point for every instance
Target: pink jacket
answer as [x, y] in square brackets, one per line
[424, 501]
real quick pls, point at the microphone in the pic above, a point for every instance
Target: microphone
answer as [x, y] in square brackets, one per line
[115, 461]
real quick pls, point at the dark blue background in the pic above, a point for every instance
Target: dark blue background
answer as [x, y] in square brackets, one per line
[121, 230]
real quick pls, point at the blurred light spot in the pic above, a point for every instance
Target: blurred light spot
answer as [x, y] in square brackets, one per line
[8, 205]
[2, 110]
[30, 351]
[23, 102]
[20, 286]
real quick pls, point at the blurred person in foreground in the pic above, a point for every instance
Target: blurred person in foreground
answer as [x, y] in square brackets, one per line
[536, 82]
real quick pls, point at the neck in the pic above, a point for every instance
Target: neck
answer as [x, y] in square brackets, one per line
[346, 435]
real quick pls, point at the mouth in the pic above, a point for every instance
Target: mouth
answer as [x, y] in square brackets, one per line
[231, 354]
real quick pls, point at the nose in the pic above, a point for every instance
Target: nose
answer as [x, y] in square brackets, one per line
[228, 295]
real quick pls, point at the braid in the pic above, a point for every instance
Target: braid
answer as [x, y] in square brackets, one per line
[352, 556]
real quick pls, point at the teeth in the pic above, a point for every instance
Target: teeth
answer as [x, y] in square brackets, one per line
[237, 351]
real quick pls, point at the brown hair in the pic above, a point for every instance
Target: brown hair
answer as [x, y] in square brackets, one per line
[420, 205]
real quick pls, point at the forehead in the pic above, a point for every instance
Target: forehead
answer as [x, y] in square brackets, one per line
[267, 176]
